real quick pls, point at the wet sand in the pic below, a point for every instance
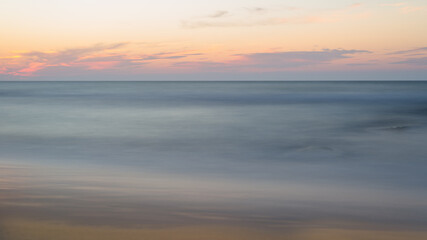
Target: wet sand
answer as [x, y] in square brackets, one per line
[39, 230]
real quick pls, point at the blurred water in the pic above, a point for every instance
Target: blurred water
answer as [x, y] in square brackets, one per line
[270, 151]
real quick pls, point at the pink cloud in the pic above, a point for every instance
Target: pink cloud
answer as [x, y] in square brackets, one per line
[97, 57]
[404, 7]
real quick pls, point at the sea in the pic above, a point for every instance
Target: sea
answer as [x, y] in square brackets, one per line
[213, 160]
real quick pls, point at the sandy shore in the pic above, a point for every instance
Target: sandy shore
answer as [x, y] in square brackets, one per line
[44, 230]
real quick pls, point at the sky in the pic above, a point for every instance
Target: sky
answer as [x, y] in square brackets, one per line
[213, 40]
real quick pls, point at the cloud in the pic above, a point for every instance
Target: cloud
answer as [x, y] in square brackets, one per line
[414, 61]
[168, 55]
[272, 61]
[249, 20]
[34, 61]
[404, 7]
[259, 22]
[262, 10]
[103, 59]
[97, 57]
[393, 4]
[204, 65]
[411, 56]
[219, 14]
[257, 10]
[299, 58]
[411, 9]
[69, 55]
[410, 51]
[238, 23]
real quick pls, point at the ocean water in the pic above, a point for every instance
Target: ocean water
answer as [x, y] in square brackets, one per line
[278, 158]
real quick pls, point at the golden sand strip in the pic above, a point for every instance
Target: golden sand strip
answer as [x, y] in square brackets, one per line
[36, 230]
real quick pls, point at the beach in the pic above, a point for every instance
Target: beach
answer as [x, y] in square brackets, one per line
[213, 160]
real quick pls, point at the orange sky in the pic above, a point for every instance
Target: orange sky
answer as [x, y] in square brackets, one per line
[167, 40]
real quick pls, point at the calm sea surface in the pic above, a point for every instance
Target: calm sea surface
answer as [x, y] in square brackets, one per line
[281, 157]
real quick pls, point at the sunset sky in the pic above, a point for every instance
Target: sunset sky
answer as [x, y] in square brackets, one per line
[213, 40]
